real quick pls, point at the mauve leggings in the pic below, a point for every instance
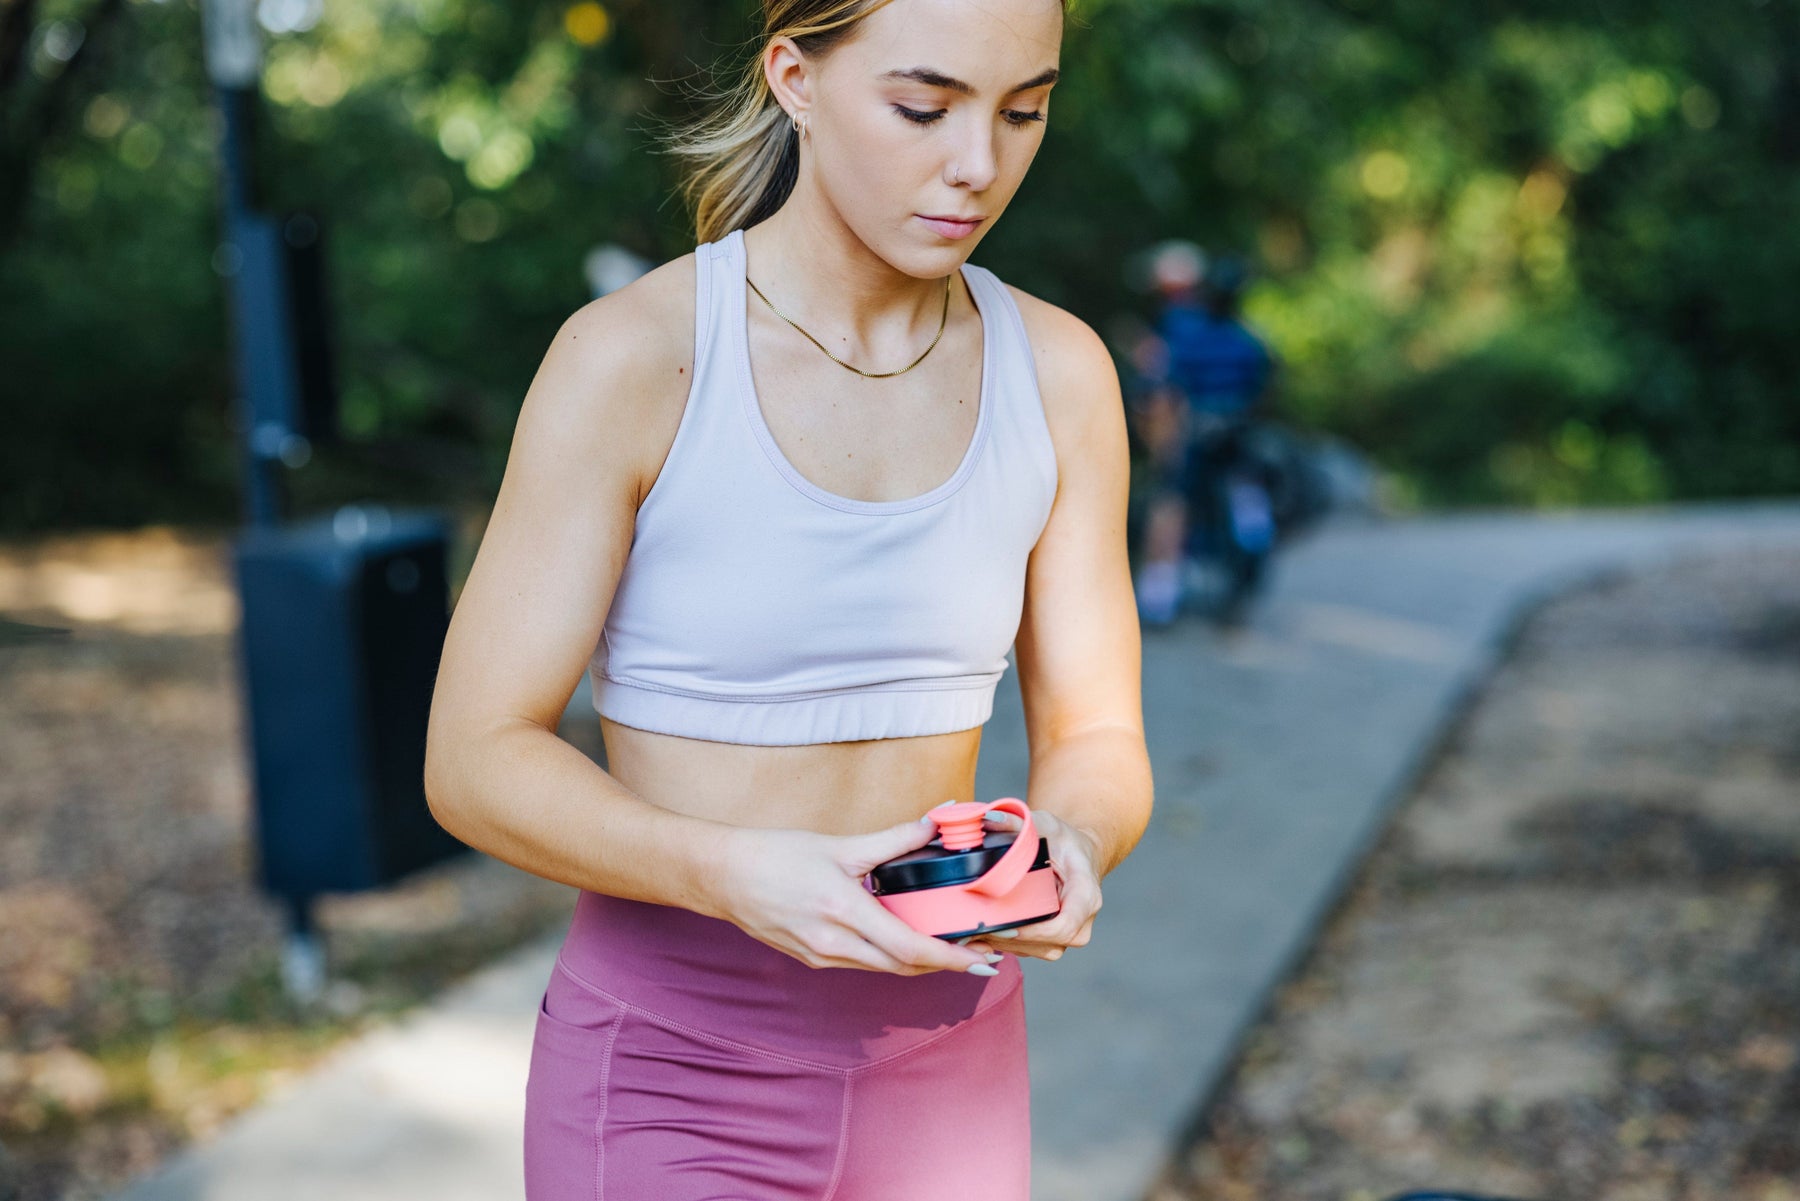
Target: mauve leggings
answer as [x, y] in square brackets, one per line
[678, 1059]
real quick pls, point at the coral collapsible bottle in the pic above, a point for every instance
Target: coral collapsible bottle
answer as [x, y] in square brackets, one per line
[970, 880]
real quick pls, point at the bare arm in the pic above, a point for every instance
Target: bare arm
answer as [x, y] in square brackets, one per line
[1078, 649]
[497, 776]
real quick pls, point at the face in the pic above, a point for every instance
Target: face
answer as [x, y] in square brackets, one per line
[932, 109]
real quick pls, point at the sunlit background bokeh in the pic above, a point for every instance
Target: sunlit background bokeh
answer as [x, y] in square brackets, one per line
[1531, 254]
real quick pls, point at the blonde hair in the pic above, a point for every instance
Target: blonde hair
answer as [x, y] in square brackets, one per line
[739, 161]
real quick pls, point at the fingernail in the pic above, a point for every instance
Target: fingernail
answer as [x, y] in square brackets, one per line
[964, 940]
[994, 957]
[983, 969]
[998, 934]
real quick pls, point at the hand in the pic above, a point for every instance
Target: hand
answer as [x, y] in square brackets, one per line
[1073, 855]
[801, 892]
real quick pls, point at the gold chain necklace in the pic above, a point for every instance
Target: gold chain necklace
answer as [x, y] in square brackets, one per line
[942, 321]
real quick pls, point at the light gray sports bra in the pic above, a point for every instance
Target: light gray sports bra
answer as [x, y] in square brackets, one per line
[756, 607]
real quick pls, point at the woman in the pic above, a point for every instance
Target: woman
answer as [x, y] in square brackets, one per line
[790, 499]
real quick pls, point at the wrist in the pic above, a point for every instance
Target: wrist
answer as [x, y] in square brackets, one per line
[715, 847]
[1096, 846]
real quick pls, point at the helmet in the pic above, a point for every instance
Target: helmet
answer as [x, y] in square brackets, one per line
[1176, 265]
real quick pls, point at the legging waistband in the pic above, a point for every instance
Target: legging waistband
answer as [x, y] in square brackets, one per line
[707, 973]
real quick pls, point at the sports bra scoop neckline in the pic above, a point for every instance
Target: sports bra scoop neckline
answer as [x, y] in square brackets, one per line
[740, 328]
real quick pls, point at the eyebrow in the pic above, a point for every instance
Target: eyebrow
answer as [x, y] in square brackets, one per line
[938, 79]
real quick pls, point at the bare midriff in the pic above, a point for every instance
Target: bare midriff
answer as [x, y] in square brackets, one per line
[831, 788]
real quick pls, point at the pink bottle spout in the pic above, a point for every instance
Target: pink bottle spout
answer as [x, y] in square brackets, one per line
[960, 825]
[961, 829]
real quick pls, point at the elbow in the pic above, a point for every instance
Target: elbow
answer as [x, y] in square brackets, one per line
[437, 796]
[457, 759]
[443, 797]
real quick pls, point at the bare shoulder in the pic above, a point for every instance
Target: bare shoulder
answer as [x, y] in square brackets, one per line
[620, 367]
[595, 424]
[1076, 375]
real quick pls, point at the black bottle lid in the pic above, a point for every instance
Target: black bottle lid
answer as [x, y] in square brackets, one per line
[932, 866]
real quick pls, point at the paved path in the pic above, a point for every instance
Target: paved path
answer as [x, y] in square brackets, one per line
[1278, 753]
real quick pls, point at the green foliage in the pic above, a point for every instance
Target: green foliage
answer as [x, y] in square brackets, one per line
[1528, 253]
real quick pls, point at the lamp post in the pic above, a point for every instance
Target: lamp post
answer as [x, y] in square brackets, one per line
[265, 404]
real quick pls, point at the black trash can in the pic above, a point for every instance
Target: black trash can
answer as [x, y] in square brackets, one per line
[343, 624]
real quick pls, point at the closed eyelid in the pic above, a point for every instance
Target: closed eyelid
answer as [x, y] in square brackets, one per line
[1014, 117]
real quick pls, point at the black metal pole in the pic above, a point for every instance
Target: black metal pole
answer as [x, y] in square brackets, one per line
[265, 400]
[259, 440]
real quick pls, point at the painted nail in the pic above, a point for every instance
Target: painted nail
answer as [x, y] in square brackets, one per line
[998, 934]
[964, 940]
[994, 957]
[983, 969]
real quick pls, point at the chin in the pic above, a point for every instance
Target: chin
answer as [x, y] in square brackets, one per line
[920, 259]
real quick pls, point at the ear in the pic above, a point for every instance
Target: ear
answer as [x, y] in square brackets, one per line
[785, 68]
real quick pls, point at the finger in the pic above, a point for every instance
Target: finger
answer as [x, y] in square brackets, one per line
[868, 955]
[1038, 950]
[845, 950]
[1061, 929]
[888, 931]
[1043, 948]
[893, 936]
[865, 851]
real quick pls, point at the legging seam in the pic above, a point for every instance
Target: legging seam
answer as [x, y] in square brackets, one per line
[843, 1139]
[606, 1061]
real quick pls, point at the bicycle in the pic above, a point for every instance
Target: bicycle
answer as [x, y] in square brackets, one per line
[1231, 507]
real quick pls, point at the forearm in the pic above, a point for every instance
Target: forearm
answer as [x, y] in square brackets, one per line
[523, 795]
[1099, 781]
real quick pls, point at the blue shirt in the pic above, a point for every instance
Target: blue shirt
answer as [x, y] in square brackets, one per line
[1219, 364]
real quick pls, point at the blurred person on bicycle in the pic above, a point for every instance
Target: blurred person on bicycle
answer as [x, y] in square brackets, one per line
[1207, 382]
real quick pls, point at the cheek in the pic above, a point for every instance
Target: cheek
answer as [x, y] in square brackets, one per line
[879, 160]
[1017, 158]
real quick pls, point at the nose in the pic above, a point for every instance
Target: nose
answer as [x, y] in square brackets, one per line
[974, 162]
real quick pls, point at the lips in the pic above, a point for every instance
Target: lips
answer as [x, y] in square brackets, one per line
[952, 227]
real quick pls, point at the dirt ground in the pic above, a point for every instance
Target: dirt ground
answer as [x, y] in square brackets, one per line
[140, 1003]
[1570, 973]
[1571, 969]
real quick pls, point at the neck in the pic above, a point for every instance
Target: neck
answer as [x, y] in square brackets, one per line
[827, 280]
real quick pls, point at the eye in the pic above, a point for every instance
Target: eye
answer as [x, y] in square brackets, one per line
[916, 117]
[1013, 116]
